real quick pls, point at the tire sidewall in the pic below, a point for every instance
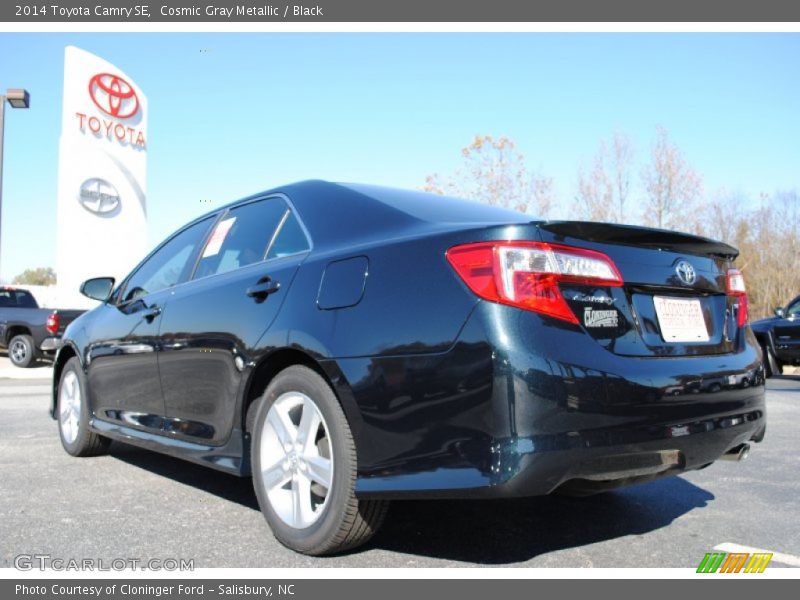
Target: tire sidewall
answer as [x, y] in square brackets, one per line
[310, 383]
[30, 355]
[74, 448]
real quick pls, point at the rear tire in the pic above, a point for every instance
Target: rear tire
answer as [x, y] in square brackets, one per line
[772, 367]
[304, 467]
[22, 351]
[73, 414]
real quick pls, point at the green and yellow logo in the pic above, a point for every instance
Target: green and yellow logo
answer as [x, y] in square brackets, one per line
[724, 562]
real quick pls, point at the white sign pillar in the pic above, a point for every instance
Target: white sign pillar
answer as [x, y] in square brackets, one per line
[102, 213]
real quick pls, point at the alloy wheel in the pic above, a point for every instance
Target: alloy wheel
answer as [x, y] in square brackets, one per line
[69, 398]
[19, 351]
[296, 460]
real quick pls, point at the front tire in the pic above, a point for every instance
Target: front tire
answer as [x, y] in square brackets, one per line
[73, 414]
[304, 467]
[22, 351]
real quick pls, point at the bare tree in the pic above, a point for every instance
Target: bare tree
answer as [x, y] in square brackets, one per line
[722, 217]
[768, 239]
[542, 195]
[495, 173]
[770, 251]
[672, 186]
[594, 199]
[603, 190]
[621, 164]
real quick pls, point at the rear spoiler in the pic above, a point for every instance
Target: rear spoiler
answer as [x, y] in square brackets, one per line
[630, 235]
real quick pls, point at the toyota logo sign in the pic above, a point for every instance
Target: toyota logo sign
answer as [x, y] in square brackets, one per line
[685, 272]
[113, 95]
[98, 196]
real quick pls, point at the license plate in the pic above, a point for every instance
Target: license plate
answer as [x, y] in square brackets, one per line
[681, 319]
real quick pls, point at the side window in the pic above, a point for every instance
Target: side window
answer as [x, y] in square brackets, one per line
[171, 264]
[25, 300]
[290, 239]
[16, 299]
[794, 310]
[241, 237]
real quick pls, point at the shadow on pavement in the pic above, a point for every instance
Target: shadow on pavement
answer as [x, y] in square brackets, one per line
[6, 362]
[492, 532]
[229, 487]
[496, 532]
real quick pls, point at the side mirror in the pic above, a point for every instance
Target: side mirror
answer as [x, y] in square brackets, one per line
[779, 312]
[98, 288]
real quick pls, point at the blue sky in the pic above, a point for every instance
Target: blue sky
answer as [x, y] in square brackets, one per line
[232, 114]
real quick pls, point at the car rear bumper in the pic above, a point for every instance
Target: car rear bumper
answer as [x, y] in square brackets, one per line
[583, 461]
[562, 412]
[607, 459]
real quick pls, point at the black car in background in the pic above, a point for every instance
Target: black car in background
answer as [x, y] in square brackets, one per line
[779, 337]
[27, 331]
[348, 344]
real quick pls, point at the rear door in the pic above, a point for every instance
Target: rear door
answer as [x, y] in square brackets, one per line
[213, 323]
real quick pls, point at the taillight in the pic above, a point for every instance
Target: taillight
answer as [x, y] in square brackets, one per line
[527, 274]
[734, 284]
[53, 323]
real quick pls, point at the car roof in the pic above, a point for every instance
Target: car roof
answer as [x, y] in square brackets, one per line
[337, 213]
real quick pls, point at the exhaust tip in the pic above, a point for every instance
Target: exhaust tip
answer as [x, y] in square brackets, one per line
[738, 454]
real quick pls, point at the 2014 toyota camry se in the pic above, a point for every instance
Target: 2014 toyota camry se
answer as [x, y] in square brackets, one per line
[348, 344]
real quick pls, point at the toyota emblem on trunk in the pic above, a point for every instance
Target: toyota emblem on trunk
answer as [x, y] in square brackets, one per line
[685, 272]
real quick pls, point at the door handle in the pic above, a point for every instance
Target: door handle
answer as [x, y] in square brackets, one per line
[151, 312]
[263, 288]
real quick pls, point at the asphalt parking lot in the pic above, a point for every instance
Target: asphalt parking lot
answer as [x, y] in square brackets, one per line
[136, 504]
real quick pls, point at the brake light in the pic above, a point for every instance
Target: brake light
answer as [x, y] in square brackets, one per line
[527, 274]
[53, 323]
[734, 284]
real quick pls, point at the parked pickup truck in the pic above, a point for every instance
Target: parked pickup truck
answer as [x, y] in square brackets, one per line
[779, 337]
[30, 332]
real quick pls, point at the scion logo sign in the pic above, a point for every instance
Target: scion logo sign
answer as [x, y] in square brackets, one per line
[685, 272]
[99, 197]
[115, 97]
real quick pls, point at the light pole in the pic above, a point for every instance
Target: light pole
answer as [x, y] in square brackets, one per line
[17, 99]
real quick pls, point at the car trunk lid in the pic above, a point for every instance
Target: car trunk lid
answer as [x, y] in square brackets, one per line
[674, 300]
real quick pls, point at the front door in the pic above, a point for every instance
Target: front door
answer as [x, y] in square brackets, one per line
[122, 364]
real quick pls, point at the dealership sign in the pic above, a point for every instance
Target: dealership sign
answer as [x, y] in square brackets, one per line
[113, 95]
[102, 217]
[118, 102]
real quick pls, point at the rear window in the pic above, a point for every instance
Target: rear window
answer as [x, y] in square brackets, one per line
[16, 299]
[252, 233]
[242, 237]
[290, 239]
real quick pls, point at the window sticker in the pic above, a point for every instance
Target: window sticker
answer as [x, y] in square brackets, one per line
[218, 237]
